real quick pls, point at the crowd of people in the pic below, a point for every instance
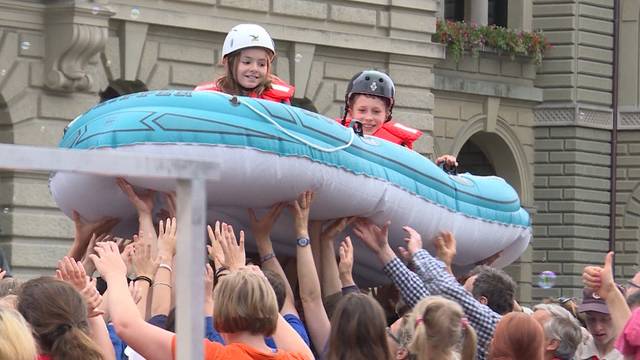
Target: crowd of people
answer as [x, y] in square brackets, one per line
[113, 298]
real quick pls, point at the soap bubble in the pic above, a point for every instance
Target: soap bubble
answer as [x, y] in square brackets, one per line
[546, 279]
[42, 128]
[25, 45]
[135, 13]
[298, 58]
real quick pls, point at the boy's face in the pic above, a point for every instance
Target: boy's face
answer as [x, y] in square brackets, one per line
[252, 67]
[370, 110]
[600, 327]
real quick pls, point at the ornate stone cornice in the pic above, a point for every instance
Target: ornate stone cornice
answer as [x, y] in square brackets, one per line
[573, 115]
[75, 33]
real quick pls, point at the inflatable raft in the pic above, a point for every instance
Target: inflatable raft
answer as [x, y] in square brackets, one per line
[270, 152]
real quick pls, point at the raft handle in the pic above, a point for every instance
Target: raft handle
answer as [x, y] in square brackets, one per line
[356, 125]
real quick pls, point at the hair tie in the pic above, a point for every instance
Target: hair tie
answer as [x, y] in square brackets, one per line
[464, 322]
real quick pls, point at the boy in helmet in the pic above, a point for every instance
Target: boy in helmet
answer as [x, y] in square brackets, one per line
[247, 54]
[369, 99]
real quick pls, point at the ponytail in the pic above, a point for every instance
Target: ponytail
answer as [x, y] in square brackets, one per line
[71, 342]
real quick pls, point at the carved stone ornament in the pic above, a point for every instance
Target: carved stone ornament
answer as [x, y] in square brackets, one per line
[74, 35]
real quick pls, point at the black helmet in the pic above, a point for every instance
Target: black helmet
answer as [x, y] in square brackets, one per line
[370, 82]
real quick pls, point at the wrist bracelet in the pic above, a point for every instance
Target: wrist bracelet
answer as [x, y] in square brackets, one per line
[144, 278]
[162, 283]
[165, 266]
[267, 257]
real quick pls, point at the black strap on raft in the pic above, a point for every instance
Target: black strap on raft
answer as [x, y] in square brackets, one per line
[449, 169]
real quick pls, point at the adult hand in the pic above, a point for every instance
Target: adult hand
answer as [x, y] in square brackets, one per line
[109, 262]
[233, 250]
[300, 209]
[143, 261]
[448, 160]
[261, 228]
[345, 267]
[601, 278]
[93, 299]
[73, 272]
[167, 238]
[86, 262]
[84, 231]
[143, 202]
[336, 227]
[413, 241]
[376, 238]
[445, 244]
[215, 249]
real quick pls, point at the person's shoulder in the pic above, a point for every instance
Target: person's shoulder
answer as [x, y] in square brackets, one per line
[285, 355]
[402, 131]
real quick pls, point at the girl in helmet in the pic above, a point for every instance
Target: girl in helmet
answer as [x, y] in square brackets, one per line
[369, 99]
[247, 55]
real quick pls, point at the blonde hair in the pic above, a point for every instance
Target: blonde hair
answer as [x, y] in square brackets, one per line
[16, 341]
[245, 301]
[440, 331]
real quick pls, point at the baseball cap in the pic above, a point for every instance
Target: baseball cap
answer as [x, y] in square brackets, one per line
[591, 301]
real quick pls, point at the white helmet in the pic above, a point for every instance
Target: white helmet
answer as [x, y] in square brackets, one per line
[245, 36]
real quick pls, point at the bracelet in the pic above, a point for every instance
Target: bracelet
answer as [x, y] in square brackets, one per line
[163, 283]
[267, 257]
[145, 278]
[165, 266]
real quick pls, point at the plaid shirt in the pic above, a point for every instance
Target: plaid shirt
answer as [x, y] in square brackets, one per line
[432, 278]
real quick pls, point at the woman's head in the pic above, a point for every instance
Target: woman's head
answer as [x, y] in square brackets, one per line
[370, 98]
[57, 314]
[247, 54]
[517, 336]
[245, 301]
[358, 330]
[440, 330]
[16, 341]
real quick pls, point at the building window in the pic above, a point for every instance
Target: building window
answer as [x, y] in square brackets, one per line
[454, 10]
[498, 13]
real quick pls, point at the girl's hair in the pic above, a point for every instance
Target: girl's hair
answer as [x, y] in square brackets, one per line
[228, 82]
[358, 330]
[245, 301]
[517, 336]
[440, 331]
[57, 314]
[16, 341]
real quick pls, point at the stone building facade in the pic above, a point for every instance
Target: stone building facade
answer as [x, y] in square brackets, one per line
[546, 129]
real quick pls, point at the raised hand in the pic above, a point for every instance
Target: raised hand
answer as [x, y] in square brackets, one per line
[108, 261]
[448, 160]
[93, 298]
[215, 249]
[300, 209]
[73, 272]
[336, 227]
[345, 267]
[143, 202]
[167, 238]
[143, 261]
[376, 238]
[84, 231]
[233, 250]
[261, 228]
[169, 210]
[601, 278]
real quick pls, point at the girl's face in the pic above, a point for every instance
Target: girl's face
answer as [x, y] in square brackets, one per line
[252, 67]
[370, 110]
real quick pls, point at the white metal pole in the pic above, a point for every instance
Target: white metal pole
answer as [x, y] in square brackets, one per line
[190, 260]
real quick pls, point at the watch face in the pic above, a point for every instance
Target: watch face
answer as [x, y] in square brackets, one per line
[303, 242]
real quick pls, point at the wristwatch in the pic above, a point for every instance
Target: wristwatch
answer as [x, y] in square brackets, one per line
[302, 242]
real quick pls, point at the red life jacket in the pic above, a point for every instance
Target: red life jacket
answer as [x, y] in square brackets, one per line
[280, 91]
[395, 132]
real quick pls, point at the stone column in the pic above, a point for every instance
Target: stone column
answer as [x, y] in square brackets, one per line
[479, 12]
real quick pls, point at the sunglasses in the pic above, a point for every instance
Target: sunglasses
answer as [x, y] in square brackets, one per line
[563, 300]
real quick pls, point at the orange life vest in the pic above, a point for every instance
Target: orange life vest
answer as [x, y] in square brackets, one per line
[280, 91]
[395, 132]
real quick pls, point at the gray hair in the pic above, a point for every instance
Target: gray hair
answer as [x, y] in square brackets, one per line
[562, 327]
